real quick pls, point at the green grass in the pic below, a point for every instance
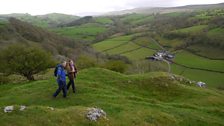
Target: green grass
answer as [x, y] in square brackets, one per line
[207, 15]
[123, 48]
[34, 20]
[122, 45]
[137, 19]
[150, 99]
[193, 29]
[147, 42]
[113, 42]
[143, 20]
[216, 33]
[203, 50]
[104, 20]
[212, 79]
[173, 14]
[132, 17]
[47, 20]
[170, 44]
[139, 54]
[85, 32]
[3, 23]
[182, 57]
[192, 60]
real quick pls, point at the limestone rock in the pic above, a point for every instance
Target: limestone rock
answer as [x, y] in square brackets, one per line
[8, 109]
[95, 113]
[51, 108]
[201, 84]
[22, 107]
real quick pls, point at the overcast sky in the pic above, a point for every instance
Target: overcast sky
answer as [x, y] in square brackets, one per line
[85, 7]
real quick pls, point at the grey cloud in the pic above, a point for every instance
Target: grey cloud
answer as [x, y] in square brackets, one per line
[151, 3]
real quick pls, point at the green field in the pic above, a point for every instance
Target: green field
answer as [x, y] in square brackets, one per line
[193, 29]
[147, 42]
[111, 43]
[212, 79]
[150, 99]
[192, 60]
[84, 32]
[123, 45]
[123, 48]
[104, 20]
[45, 21]
[206, 15]
[137, 19]
[168, 43]
[3, 23]
[214, 53]
[139, 54]
[216, 32]
[135, 52]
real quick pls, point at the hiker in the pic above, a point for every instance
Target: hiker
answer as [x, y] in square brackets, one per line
[72, 71]
[61, 79]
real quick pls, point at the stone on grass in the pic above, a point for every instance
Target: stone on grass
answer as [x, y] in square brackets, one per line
[8, 109]
[201, 84]
[22, 107]
[94, 114]
[51, 108]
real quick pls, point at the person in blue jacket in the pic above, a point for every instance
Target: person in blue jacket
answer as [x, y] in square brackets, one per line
[61, 79]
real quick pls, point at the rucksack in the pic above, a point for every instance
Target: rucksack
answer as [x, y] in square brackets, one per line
[56, 70]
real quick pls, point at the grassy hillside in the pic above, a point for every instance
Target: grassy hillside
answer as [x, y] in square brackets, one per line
[164, 10]
[193, 29]
[112, 43]
[48, 20]
[87, 31]
[190, 59]
[15, 31]
[124, 45]
[151, 99]
[213, 79]
[136, 19]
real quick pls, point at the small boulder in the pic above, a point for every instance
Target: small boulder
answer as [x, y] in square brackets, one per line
[22, 107]
[201, 84]
[8, 109]
[94, 114]
[51, 108]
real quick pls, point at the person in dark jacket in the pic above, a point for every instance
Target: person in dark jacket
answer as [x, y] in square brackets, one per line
[72, 71]
[61, 80]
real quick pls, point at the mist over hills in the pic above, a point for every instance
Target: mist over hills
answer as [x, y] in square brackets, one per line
[47, 20]
[151, 10]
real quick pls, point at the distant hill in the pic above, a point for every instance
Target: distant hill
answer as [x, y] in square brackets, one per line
[48, 20]
[16, 31]
[86, 29]
[151, 10]
[84, 20]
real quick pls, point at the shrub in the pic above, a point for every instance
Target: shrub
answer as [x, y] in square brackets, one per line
[25, 61]
[118, 57]
[85, 61]
[115, 65]
[140, 67]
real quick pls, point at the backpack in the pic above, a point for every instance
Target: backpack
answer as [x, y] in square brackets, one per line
[56, 70]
